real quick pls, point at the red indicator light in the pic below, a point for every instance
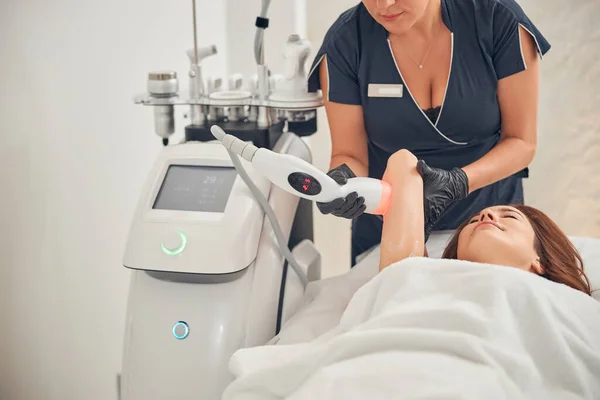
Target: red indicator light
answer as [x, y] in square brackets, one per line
[306, 180]
[305, 187]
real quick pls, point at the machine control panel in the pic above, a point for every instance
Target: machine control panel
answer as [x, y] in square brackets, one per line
[304, 183]
[198, 188]
[189, 216]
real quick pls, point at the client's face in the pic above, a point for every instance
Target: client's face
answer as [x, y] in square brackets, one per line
[499, 235]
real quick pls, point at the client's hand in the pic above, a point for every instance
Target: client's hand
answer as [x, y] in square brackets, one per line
[440, 189]
[349, 207]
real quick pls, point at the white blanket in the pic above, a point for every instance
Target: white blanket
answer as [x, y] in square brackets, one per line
[439, 329]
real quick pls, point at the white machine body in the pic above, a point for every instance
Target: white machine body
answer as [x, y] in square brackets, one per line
[206, 272]
[189, 219]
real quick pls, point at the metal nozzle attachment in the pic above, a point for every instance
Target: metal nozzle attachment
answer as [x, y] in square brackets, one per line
[243, 149]
[164, 121]
[217, 132]
[163, 84]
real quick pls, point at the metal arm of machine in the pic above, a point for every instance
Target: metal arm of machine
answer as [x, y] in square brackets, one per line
[267, 102]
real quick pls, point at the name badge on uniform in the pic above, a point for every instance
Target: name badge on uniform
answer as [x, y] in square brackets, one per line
[381, 90]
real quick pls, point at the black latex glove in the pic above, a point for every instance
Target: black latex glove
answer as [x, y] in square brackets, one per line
[349, 207]
[440, 189]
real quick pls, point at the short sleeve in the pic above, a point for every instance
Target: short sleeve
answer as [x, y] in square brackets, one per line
[507, 51]
[340, 48]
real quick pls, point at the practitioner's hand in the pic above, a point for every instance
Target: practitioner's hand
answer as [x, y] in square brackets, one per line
[440, 189]
[349, 207]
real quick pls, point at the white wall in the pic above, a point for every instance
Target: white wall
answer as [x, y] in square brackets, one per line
[564, 175]
[74, 152]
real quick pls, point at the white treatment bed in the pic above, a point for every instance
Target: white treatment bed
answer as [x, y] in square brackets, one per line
[326, 300]
[426, 328]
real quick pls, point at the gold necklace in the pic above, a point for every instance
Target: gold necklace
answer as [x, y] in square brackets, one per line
[420, 64]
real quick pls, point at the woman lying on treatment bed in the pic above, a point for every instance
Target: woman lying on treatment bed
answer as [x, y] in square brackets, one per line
[516, 236]
[468, 327]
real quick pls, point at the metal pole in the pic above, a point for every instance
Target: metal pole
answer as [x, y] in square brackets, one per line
[196, 113]
[195, 32]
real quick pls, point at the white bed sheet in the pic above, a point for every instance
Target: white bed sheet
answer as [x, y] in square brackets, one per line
[426, 328]
[324, 301]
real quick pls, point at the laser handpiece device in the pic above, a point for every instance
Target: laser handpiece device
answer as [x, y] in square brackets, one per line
[304, 180]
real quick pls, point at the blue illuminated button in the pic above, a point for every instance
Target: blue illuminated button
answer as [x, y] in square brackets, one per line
[181, 330]
[174, 243]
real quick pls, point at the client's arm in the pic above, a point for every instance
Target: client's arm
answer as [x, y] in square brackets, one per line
[403, 234]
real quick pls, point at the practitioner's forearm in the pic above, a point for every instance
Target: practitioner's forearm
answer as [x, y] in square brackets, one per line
[403, 225]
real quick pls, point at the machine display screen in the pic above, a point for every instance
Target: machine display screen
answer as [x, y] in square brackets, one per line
[195, 188]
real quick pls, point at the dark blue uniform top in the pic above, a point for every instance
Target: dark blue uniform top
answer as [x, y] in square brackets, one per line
[485, 48]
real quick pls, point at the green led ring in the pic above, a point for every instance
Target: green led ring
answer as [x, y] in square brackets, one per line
[177, 250]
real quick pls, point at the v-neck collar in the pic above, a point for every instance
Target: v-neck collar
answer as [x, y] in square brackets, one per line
[446, 15]
[448, 22]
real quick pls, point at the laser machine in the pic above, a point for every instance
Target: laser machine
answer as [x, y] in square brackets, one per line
[208, 248]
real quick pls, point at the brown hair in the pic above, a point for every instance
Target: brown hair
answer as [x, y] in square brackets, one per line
[559, 258]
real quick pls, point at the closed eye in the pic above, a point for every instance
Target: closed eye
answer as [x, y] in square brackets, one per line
[510, 216]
